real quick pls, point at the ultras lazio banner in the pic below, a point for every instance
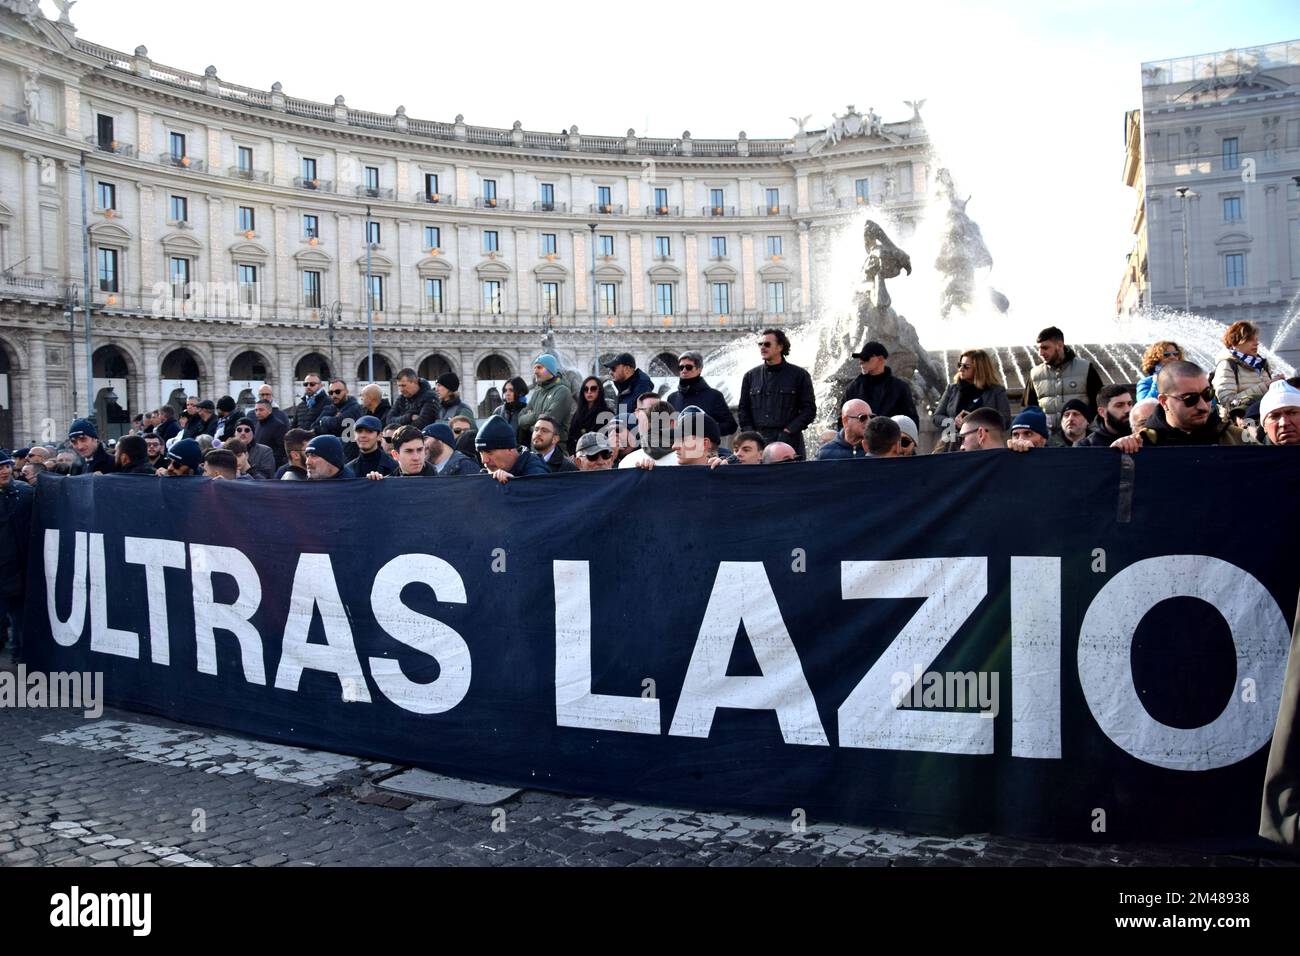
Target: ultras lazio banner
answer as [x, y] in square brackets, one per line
[1067, 643]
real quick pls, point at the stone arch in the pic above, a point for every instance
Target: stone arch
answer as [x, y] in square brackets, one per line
[434, 364]
[386, 370]
[312, 361]
[172, 352]
[247, 358]
[117, 377]
[663, 365]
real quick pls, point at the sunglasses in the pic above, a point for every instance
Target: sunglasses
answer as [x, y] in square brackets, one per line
[1192, 399]
[973, 431]
[686, 368]
[906, 442]
[336, 391]
[603, 455]
[591, 388]
[1170, 354]
[247, 430]
[460, 431]
[965, 365]
[767, 345]
[310, 384]
[861, 418]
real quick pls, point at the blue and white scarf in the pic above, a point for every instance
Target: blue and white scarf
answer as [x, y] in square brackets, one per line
[1250, 361]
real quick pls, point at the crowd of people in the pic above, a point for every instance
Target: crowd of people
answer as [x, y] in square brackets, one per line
[543, 428]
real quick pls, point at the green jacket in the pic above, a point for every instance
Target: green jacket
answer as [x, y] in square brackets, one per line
[551, 398]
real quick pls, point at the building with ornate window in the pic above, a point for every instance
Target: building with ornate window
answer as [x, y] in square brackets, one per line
[213, 237]
[1215, 159]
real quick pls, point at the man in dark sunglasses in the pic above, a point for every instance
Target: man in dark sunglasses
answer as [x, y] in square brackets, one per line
[340, 418]
[692, 389]
[594, 453]
[1185, 415]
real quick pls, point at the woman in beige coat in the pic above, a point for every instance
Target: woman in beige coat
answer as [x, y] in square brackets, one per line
[1241, 375]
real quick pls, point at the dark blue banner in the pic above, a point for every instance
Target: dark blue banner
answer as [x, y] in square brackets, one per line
[1053, 643]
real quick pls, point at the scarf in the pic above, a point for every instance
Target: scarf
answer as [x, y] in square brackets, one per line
[1250, 361]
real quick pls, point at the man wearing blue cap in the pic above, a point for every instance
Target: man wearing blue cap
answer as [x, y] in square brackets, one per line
[184, 460]
[550, 396]
[16, 500]
[442, 454]
[1029, 430]
[501, 456]
[84, 440]
[371, 456]
[324, 455]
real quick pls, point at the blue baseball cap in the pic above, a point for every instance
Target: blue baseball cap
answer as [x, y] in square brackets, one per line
[82, 426]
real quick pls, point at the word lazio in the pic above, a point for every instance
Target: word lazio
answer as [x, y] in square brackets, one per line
[741, 596]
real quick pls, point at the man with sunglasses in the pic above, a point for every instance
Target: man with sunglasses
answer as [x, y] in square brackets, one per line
[631, 382]
[340, 417]
[909, 440]
[313, 404]
[1185, 416]
[982, 431]
[847, 442]
[261, 460]
[184, 460]
[594, 453]
[777, 398]
[692, 389]
[877, 386]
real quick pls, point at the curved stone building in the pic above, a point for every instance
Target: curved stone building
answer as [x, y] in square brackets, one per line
[228, 235]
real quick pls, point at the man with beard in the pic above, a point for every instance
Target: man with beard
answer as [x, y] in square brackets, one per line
[340, 417]
[1114, 403]
[443, 455]
[546, 445]
[631, 382]
[154, 449]
[1074, 424]
[1185, 416]
[550, 396]
[133, 457]
[692, 389]
[503, 459]
[84, 440]
[324, 455]
[847, 443]
[1061, 376]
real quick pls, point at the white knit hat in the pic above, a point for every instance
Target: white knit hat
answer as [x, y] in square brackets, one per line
[1279, 395]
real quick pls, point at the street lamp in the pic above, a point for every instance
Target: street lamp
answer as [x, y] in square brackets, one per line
[1184, 194]
[329, 315]
[370, 308]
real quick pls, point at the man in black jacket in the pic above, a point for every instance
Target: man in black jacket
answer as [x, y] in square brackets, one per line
[887, 396]
[412, 459]
[373, 402]
[84, 440]
[371, 455]
[631, 381]
[167, 429]
[207, 419]
[416, 405]
[546, 445]
[314, 403]
[341, 417]
[1114, 402]
[271, 429]
[692, 389]
[777, 398]
[16, 500]
[133, 457]
[442, 455]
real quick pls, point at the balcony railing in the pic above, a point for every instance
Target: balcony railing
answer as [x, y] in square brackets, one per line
[111, 146]
[540, 206]
[718, 211]
[485, 203]
[318, 185]
[374, 192]
[774, 210]
[606, 209]
[436, 199]
[663, 210]
[182, 162]
[251, 175]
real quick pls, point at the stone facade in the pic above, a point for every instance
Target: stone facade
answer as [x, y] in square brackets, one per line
[196, 198]
[1224, 127]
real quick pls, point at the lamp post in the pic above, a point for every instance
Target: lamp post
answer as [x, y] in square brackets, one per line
[595, 327]
[1183, 194]
[71, 302]
[85, 301]
[370, 308]
[331, 314]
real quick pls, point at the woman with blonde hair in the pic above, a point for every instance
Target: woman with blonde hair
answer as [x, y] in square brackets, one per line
[1153, 360]
[1241, 374]
[976, 385]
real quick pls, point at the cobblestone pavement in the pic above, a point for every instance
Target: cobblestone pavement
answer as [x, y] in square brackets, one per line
[133, 790]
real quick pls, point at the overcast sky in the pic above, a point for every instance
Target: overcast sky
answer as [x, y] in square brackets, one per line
[1025, 101]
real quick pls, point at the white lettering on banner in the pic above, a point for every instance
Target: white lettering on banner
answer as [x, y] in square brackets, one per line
[65, 633]
[1036, 658]
[156, 554]
[425, 634]
[1259, 633]
[314, 587]
[742, 594]
[105, 639]
[869, 716]
[209, 616]
[575, 704]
